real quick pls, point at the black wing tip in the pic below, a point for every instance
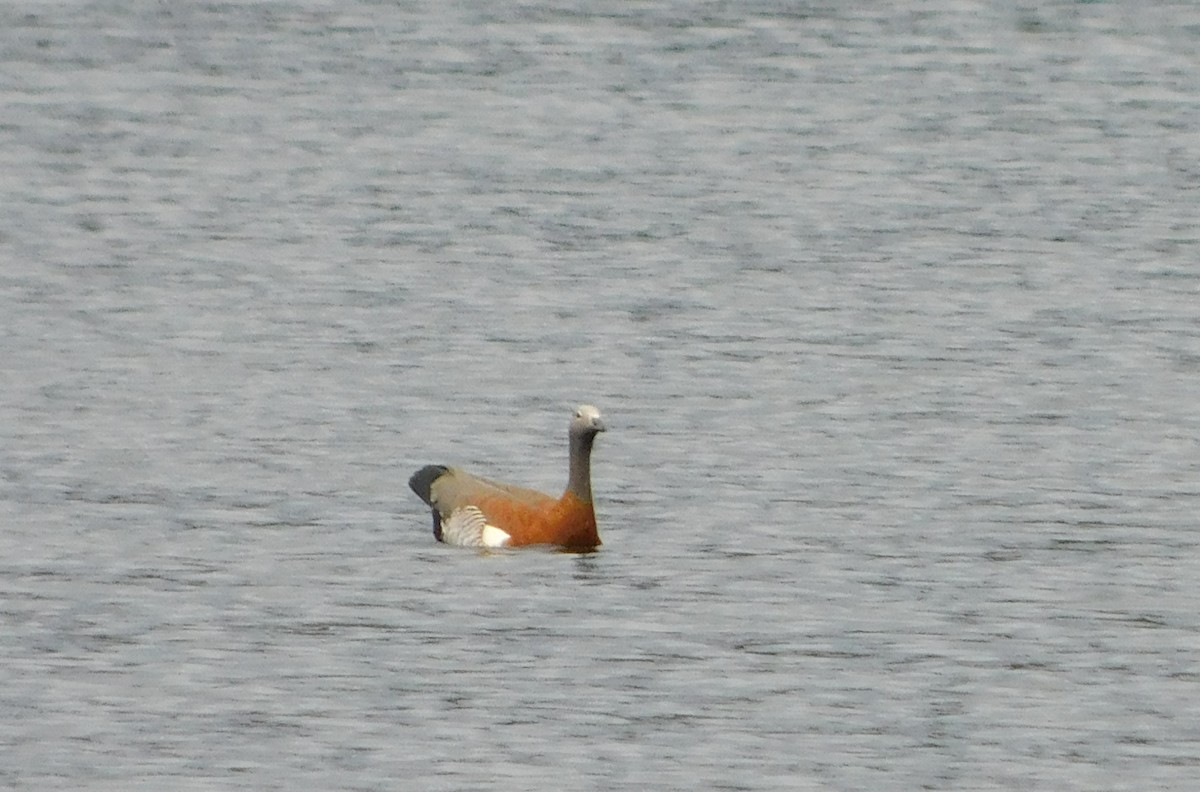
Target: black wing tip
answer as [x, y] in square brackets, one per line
[421, 482]
[423, 479]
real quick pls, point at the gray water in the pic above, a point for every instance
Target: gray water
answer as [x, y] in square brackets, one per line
[892, 310]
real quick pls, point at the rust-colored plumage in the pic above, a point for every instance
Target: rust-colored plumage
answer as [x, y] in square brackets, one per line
[476, 512]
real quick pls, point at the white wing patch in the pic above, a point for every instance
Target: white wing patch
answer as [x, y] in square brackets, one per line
[494, 537]
[466, 526]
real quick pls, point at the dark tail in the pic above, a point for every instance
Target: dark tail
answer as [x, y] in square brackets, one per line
[423, 479]
[421, 482]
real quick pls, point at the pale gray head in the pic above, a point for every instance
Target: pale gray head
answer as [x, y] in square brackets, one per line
[586, 422]
[584, 425]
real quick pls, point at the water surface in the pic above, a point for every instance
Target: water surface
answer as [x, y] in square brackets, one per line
[891, 312]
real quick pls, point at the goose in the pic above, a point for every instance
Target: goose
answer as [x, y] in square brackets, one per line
[477, 512]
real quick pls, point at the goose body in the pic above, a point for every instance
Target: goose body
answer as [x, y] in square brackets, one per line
[477, 512]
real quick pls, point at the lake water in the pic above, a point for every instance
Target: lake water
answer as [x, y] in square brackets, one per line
[893, 310]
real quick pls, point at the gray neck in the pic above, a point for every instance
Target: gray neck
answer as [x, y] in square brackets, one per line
[580, 482]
